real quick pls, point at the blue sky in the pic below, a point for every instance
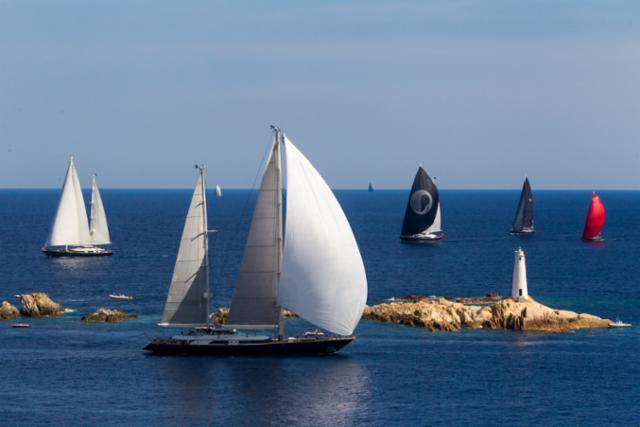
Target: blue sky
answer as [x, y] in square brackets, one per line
[480, 92]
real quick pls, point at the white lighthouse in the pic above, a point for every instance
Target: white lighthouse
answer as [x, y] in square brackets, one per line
[519, 282]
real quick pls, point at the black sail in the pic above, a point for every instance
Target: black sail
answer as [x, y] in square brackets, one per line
[523, 221]
[422, 205]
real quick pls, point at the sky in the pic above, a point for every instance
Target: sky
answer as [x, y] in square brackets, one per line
[480, 92]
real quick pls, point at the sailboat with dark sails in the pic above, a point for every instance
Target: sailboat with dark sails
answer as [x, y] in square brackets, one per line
[312, 267]
[422, 217]
[523, 222]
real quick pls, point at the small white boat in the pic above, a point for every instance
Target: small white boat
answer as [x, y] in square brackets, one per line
[21, 325]
[218, 191]
[619, 324]
[120, 296]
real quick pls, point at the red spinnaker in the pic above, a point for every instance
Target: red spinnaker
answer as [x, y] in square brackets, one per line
[595, 218]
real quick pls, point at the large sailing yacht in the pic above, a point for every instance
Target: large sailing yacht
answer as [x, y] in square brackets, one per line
[312, 267]
[72, 234]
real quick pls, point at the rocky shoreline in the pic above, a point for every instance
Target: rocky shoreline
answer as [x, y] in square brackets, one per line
[442, 314]
[106, 315]
[39, 304]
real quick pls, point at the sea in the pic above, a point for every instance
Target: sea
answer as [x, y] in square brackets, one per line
[65, 372]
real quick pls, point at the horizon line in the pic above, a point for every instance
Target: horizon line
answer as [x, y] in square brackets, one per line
[333, 189]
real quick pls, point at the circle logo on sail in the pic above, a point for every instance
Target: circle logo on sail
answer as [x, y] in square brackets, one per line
[421, 202]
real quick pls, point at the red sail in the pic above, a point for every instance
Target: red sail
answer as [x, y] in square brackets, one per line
[595, 218]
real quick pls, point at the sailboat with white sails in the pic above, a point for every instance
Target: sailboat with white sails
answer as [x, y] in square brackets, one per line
[72, 234]
[312, 267]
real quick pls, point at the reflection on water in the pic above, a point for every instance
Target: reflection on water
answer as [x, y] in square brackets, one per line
[80, 264]
[244, 391]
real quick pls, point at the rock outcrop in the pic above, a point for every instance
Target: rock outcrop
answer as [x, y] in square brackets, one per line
[220, 316]
[106, 315]
[444, 315]
[8, 311]
[39, 304]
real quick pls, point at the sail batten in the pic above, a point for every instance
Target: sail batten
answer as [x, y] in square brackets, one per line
[98, 228]
[188, 297]
[523, 221]
[70, 226]
[323, 278]
[254, 299]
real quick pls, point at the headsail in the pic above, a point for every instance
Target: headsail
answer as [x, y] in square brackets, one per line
[524, 216]
[99, 229]
[436, 227]
[188, 298]
[70, 226]
[254, 301]
[423, 206]
[323, 277]
[595, 219]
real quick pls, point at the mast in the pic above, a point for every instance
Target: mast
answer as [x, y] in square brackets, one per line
[279, 239]
[205, 242]
[92, 214]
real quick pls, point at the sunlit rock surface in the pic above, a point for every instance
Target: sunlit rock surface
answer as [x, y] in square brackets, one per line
[8, 311]
[39, 304]
[441, 314]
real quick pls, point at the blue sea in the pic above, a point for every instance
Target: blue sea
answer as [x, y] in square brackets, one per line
[64, 372]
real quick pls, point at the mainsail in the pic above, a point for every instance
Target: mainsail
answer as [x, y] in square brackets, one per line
[188, 299]
[323, 276]
[524, 216]
[70, 226]
[254, 301]
[595, 219]
[423, 207]
[99, 229]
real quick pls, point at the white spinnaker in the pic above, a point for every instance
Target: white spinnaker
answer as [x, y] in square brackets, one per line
[188, 298]
[323, 278]
[98, 227]
[436, 227]
[70, 226]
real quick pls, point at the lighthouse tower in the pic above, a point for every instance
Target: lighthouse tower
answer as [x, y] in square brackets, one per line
[519, 282]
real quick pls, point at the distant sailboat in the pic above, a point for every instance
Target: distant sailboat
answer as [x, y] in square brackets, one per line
[313, 269]
[218, 191]
[370, 188]
[595, 220]
[523, 222]
[71, 234]
[422, 218]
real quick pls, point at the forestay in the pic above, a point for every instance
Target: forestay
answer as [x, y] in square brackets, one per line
[99, 229]
[70, 226]
[254, 301]
[323, 278]
[188, 298]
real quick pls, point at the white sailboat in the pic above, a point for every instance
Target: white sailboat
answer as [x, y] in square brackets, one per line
[218, 191]
[71, 234]
[313, 267]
